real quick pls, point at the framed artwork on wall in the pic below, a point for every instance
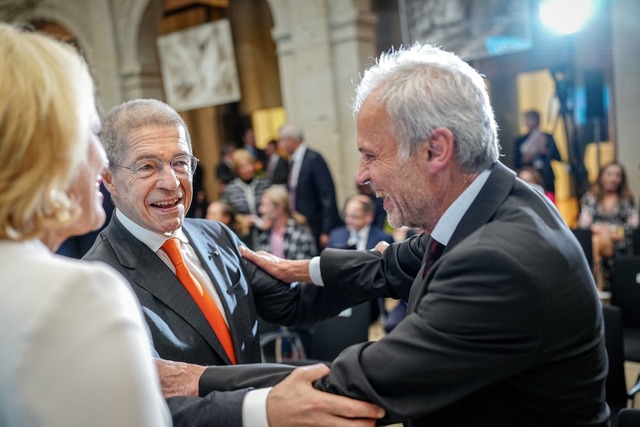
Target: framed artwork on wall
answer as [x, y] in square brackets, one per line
[199, 67]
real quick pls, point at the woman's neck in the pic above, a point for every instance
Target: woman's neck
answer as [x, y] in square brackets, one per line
[52, 240]
[280, 224]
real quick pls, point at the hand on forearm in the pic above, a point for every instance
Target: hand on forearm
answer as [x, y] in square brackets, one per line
[179, 379]
[282, 269]
[294, 402]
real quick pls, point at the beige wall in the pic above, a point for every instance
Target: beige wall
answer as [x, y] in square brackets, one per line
[626, 74]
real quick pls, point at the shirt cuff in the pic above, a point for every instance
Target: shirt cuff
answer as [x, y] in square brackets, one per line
[314, 271]
[254, 408]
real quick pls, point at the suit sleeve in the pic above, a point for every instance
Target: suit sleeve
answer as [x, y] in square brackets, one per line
[474, 327]
[367, 274]
[297, 303]
[228, 378]
[222, 409]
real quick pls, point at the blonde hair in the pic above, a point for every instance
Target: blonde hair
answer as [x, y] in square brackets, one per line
[279, 196]
[46, 92]
[241, 155]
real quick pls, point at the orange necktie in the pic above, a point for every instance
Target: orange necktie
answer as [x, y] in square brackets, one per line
[200, 296]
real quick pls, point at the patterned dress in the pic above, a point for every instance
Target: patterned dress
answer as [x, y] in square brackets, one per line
[625, 216]
[298, 242]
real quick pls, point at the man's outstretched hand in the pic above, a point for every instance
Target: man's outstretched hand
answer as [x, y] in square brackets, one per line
[282, 269]
[294, 402]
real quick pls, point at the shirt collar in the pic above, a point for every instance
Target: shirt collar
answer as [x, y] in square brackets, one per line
[449, 221]
[297, 155]
[150, 238]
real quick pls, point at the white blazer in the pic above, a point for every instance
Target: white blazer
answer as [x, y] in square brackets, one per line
[74, 350]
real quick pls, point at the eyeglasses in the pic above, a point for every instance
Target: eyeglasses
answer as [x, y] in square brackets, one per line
[184, 165]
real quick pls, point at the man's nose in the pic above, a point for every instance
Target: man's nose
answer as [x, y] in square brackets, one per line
[167, 178]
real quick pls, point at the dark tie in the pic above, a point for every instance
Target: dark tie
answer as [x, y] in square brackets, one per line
[292, 189]
[434, 252]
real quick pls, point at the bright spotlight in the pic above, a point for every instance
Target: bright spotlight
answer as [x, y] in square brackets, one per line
[565, 16]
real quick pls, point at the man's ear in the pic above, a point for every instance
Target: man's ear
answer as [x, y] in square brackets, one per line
[440, 148]
[107, 180]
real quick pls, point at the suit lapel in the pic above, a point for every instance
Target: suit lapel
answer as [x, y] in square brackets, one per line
[488, 201]
[152, 274]
[491, 197]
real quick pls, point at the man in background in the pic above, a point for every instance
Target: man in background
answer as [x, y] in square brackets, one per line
[537, 149]
[311, 189]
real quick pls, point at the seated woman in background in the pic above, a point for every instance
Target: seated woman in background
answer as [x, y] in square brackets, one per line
[609, 211]
[283, 234]
[73, 346]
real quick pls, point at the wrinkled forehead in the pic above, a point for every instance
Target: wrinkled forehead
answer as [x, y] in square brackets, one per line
[157, 141]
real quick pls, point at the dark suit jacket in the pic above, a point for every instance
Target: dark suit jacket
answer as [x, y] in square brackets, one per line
[505, 329]
[339, 237]
[279, 175]
[179, 329]
[316, 195]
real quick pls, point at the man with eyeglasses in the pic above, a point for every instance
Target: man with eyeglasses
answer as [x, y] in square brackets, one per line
[212, 320]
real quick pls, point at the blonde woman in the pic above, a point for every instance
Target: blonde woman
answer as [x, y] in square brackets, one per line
[284, 234]
[72, 343]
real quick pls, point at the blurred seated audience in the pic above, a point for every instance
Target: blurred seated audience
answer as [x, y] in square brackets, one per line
[533, 177]
[379, 214]
[608, 210]
[284, 233]
[360, 233]
[287, 235]
[224, 212]
[245, 191]
[73, 346]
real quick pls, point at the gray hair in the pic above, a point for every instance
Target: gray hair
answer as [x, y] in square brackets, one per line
[423, 88]
[133, 115]
[291, 131]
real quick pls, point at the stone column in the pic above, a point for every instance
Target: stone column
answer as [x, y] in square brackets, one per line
[322, 47]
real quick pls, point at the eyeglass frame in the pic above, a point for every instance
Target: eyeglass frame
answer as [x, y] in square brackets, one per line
[192, 159]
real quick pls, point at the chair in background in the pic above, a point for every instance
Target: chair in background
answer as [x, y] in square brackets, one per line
[625, 293]
[636, 241]
[616, 387]
[629, 418]
[279, 344]
[584, 238]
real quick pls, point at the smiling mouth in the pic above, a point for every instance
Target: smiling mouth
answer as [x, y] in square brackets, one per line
[164, 204]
